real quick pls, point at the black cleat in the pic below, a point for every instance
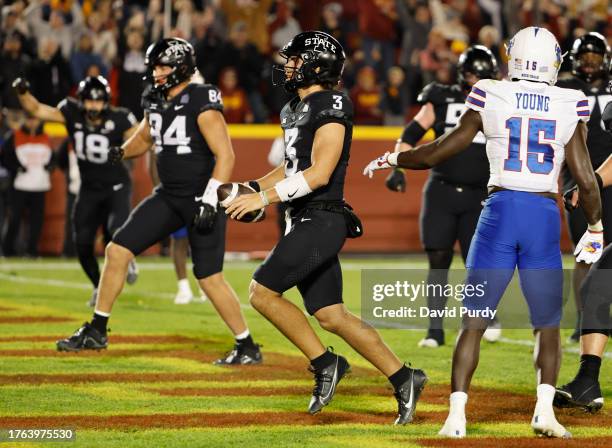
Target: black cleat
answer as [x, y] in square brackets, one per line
[326, 381]
[241, 354]
[408, 395]
[577, 395]
[85, 338]
[574, 338]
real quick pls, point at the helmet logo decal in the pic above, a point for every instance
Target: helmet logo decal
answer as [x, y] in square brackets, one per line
[536, 30]
[320, 41]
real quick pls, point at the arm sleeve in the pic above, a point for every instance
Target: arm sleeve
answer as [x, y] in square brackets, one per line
[583, 110]
[477, 98]
[209, 98]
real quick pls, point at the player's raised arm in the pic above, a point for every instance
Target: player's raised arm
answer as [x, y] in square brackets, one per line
[32, 106]
[431, 154]
[214, 129]
[605, 173]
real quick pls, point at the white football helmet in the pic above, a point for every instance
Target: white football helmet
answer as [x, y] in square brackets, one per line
[535, 55]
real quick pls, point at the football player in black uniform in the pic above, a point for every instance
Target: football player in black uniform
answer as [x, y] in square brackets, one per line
[317, 125]
[590, 56]
[584, 390]
[455, 191]
[185, 125]
[105, 193]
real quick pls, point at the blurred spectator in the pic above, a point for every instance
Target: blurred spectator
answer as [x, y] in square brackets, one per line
[377, 20]
[49, 74]
[235, 104]
[13, 63]
[490, 38]
[208, 35]
[366, 97]
[13, 19]
[394, 98]
[283, 26]
[131, 72]
[243, 55]
[84, 58]
[254, 15]
[436, 56]
[28, 154]
[104, 41]
[5, 177]
[56, 27]
[332, 24]
[447, 19]
[416, 25]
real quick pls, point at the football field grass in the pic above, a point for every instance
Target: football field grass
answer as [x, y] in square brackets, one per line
[156, 386]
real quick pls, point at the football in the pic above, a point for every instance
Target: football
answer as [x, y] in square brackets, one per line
[226, 193]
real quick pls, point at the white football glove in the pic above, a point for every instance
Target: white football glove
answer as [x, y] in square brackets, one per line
[387, 160]
[590, 246]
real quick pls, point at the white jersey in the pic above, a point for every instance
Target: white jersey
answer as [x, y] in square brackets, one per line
[527, 126]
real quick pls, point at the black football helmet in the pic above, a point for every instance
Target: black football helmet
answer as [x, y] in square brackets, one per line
[479, 61]
[323, 61]
[590, 43]
[94, 88]
[173, 52]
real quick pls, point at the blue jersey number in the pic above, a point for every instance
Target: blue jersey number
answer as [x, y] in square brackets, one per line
[537, 128]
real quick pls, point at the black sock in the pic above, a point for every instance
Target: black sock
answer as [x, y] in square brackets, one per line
[88, 261]
[99, 322]
[400, 377]
[248, 341]
[589, 367]
[326, 359]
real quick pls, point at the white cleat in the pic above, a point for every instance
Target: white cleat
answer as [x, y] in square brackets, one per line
[493, 332]
[454, 427]
[183, 298]
[132, 273]
[91, 303]
[428, 343]
[545, 424]
[203, 296]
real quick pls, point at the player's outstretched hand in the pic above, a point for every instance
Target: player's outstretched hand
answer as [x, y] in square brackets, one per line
[570, 199]
[589, 247]
[21, 85]
[243, 204]
[387, 160]
[115, 154]
[396, 180]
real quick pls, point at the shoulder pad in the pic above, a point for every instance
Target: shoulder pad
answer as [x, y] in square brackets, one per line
[205, 97]
[330, 104]
[431, 93]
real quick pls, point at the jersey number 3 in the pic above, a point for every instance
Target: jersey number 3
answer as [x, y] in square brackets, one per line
[539, 155]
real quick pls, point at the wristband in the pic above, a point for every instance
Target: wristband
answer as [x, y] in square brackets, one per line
[413, 133]
[264, 198]
[292, 187]
[210, 193]
[596, 228]
[392, 158]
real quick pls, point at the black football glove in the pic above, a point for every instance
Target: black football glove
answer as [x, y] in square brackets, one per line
[567, 199]
[115, 154]
[205, 218]
[21, 85]
[396, 180]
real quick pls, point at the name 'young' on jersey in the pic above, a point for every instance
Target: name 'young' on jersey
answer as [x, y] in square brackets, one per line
[471, 166]
[300, 119]
[527, 126]
[184, 159]
[91, 143]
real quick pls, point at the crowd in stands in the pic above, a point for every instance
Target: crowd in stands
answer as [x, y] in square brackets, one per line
[393, 47]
